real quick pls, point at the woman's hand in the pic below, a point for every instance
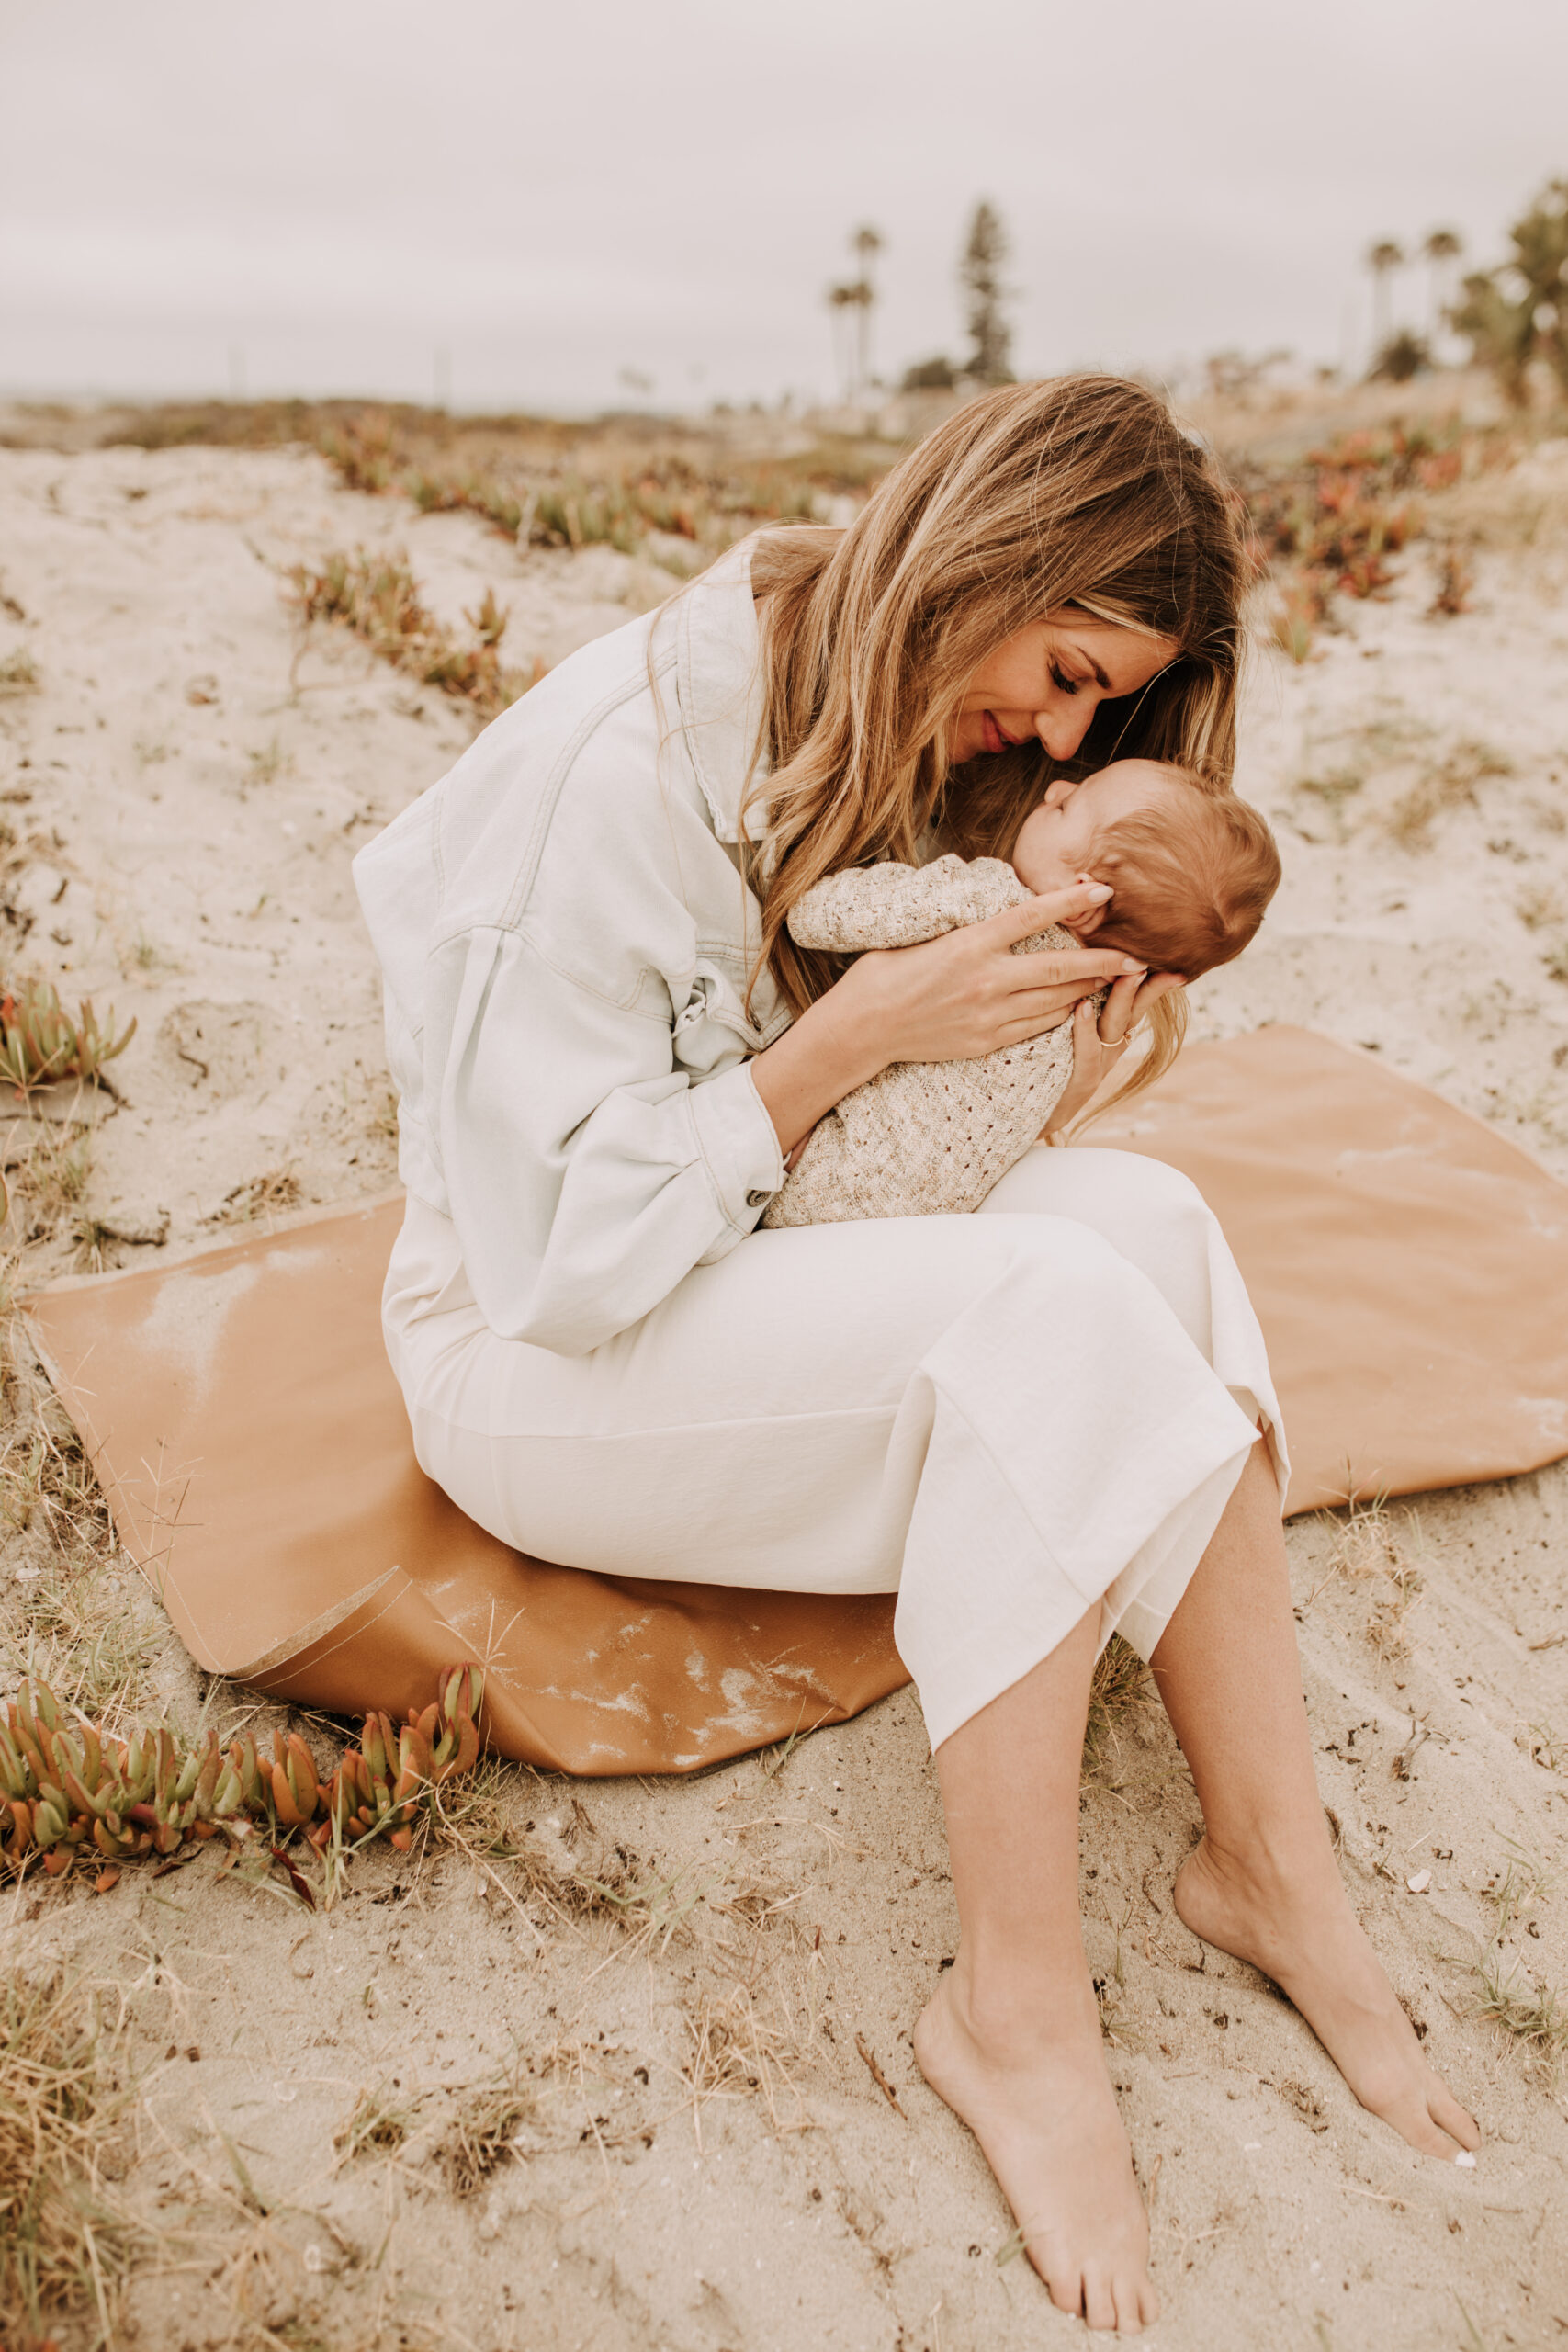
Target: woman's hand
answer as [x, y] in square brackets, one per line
[1099, 1042]
[951, 999]
[967, 994]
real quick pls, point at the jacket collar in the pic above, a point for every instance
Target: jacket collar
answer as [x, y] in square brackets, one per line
[719, 687]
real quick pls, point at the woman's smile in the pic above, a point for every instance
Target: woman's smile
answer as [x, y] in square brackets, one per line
[996, 737]
[1045, 684]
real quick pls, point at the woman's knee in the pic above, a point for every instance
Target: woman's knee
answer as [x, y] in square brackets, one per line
[1113, 1191]
[1150, 1213]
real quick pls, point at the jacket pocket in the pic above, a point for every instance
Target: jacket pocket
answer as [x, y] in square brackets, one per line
[712, 1029]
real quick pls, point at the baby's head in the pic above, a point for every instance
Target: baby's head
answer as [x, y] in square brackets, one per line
[1190, 871]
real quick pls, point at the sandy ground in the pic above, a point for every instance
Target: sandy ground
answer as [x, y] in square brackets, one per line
[700, 2157]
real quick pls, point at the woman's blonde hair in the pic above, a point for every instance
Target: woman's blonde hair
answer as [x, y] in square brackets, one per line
[1081, 491]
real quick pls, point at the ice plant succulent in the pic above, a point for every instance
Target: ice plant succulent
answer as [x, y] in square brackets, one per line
[40, 1042]
[69, 1791]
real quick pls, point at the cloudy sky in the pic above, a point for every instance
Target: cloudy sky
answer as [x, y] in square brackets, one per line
[520, 201]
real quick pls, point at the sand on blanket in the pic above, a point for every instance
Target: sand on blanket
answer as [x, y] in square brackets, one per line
[475, 2103]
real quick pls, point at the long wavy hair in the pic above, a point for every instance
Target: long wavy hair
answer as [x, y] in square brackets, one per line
[1081, 491]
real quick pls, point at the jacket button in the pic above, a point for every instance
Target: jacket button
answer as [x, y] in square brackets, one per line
[758, 1200]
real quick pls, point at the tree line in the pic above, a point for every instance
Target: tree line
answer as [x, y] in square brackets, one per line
[852, 302]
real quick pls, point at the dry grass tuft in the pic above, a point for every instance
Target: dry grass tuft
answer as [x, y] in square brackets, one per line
[733, 2049]
[18, 672]
[46, 1480]
[1369, 1545]
[363, 452]
[1451, 784]
[1297, 617]
[580, 1874]
[65, 2240]
[483, 2128]
[262, 1196]
[48, 1172]
[1456, 578]
[378, 2123]
[77, 1633]
[1119, 1681]
[1532, 2014]
[375, 596]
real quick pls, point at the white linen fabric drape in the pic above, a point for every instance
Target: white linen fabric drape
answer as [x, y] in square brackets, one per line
[1006, 1417]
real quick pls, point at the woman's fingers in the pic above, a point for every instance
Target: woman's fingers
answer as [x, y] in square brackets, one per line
[1159, 984]
[1049, 966]
[1118, 1010]
[1039, 914]
[1127, 1001]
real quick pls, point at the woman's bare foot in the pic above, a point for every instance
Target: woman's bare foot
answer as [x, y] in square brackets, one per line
[1040, 2104]
[1303, 1934]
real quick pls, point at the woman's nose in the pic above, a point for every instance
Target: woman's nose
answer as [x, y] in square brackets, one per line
[1061, 730]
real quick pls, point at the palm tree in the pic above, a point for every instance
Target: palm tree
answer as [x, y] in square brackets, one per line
[853, 302]
[1383, 260]
[855, 296]
[865, 245]
[1439, 247]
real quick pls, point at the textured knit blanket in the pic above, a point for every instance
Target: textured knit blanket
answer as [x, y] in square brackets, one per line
[922, 1139]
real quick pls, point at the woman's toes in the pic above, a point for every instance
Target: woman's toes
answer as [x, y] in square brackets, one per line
[1066, 2289]
[1413, 2121]
[1445, 2111]
[1129, 2305]
[1099, 2302]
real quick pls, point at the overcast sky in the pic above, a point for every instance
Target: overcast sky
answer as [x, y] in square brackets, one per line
[520, 200]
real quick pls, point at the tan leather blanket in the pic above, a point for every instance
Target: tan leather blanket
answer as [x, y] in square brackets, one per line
[1409, 1266]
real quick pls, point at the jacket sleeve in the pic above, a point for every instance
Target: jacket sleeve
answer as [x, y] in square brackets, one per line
[587, 1172]
[897, 906]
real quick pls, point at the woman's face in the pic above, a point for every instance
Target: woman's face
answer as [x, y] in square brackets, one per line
[1048, 681]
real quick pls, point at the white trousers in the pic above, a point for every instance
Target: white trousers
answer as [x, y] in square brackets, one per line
[1006, 1417]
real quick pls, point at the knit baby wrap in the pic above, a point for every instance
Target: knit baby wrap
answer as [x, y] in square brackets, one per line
[922, 1139]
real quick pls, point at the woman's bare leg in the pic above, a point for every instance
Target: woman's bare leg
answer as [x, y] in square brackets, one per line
[1263, 1883]
[1010, 2038]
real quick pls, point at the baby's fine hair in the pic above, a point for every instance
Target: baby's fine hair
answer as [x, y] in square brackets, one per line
[1190, 877]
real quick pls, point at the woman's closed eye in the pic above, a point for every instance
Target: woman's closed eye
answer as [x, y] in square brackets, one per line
[1060, 678]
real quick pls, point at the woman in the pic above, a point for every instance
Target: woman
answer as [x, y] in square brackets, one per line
[1038, 1422]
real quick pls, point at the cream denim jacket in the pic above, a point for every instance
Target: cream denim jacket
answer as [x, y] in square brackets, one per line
[564, 935]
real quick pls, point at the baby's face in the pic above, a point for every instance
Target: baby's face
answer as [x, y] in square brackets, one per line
[1056, 845]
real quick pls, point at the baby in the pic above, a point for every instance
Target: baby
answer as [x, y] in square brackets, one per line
[1190, 873]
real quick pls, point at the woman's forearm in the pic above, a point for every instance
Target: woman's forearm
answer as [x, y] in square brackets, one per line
[822, 1057]
[950, 999]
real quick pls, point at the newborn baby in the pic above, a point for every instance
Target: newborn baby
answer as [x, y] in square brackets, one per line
[1190, 873]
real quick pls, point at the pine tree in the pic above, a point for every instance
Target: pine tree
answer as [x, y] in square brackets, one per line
[980, 274]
